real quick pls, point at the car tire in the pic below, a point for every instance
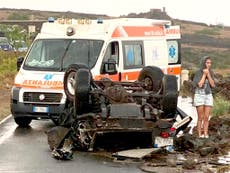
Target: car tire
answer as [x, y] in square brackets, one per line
[152, 77]
[22, 121]
[82, 89]
[169, 96]
[69, 80]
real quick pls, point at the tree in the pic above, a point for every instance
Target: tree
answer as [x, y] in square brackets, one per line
[14, 32]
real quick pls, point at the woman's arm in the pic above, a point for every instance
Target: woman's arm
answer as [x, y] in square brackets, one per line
[211, 81]
[201, 82]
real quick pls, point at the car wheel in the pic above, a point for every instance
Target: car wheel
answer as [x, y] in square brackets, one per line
[23, 121]
[169, 96]
[82, 89]
[69, 80]
[151, 76]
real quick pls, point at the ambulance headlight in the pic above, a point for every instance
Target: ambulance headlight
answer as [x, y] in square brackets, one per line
[70, 31]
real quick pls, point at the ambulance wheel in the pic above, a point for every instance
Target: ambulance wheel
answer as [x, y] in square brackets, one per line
[69, 79]
[22, 121]
[169, 96]
[151, 76]
[82, 88]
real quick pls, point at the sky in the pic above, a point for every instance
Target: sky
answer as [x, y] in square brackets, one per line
[207, 11]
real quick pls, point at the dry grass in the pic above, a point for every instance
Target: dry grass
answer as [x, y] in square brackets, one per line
[4, 103]
[192, 28]
[204, 48]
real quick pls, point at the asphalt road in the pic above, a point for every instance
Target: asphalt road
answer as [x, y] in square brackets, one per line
[25, 150]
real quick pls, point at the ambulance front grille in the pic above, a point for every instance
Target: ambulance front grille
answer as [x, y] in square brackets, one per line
[37, 97]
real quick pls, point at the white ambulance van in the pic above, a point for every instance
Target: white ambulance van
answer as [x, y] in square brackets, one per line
[133, 43]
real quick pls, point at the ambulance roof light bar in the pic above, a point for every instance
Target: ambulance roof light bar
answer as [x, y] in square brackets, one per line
[99, 21]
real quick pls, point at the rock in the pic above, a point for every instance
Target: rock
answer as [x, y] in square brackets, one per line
[206, 151]
[188, 142]
[189, 164]
[171, 161]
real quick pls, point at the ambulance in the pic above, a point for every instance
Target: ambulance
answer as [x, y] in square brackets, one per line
[131, 43]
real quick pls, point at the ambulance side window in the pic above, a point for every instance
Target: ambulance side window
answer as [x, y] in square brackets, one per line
[111, 55]
[133, 54]
[112, 52]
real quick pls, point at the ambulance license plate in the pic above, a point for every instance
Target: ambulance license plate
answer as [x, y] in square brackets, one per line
[162, 142]
[40, 109]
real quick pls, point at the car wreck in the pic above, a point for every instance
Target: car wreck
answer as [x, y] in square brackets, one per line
[102, 113]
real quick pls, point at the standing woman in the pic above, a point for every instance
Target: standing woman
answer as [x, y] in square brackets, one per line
[203, 100]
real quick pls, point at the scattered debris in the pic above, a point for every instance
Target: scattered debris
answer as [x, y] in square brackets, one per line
[62, 154]
[134, 153]
[55, 135]
[195, 154]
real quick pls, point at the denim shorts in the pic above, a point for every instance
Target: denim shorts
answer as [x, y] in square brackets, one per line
[203, 99]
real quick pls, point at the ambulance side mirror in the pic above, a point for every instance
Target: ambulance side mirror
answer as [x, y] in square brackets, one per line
[19, 62]
[110, 67]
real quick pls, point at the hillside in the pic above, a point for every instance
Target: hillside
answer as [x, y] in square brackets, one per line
[198, 39]
[26, 14]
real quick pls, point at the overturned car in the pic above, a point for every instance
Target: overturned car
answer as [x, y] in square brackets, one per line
[102, 113]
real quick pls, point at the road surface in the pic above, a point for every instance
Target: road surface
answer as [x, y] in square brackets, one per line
[25, 150]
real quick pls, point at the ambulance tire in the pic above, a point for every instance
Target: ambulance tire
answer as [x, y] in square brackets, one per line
[22, 121]
[169, 96]
[82, 90]
[152, 77]
[69, 79]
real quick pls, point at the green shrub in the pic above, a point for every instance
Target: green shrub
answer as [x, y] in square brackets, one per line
[7, 62]
[8, 68]
[221, 106]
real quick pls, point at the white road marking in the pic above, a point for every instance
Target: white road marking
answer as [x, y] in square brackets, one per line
[6, 118]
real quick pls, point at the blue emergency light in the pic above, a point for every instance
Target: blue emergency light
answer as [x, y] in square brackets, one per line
[51, 20]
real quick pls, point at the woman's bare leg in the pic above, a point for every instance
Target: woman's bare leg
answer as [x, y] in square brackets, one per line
[200, 114]
[207, 110]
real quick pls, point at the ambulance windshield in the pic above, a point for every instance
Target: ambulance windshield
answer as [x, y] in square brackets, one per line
[58, 54]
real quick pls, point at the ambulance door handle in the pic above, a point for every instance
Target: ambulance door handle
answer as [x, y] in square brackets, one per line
[171, 70]
[119, 76]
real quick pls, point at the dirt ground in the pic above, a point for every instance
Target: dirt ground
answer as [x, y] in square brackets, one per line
[4, 103]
